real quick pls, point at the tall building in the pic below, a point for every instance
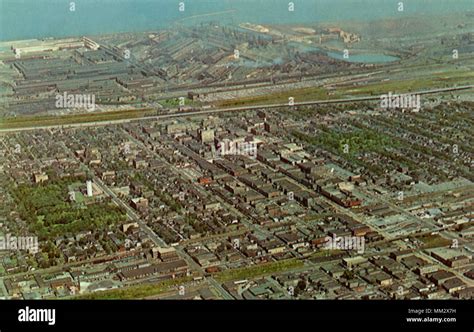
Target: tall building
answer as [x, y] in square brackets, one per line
[206, 135]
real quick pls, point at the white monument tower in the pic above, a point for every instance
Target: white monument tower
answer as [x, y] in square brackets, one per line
[89, 188]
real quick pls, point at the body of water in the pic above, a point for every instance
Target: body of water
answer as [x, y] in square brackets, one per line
[25, 19]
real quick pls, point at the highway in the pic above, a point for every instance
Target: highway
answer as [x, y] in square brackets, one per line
[227, 110]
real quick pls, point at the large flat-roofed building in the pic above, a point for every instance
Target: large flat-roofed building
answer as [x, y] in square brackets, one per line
[165, 254]
[36, 46]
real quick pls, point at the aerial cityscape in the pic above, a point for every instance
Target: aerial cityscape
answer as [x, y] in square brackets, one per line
[220, 150]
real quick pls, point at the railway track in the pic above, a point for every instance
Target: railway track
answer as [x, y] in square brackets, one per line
[180, 114]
